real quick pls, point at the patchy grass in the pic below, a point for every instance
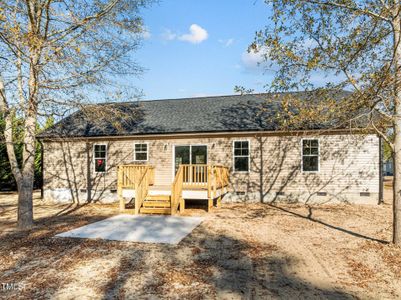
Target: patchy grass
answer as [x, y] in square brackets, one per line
[239, 251]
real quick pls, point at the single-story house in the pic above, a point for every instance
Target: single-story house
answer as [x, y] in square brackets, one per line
[221, 147]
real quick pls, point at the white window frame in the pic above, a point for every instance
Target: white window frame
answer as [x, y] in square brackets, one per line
[147, 151]
[249, 155]
[318, 155]
[94, 159]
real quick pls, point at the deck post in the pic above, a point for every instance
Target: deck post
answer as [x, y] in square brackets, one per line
[209, 204]
[221, 184]
[120, 188]
[209, 188]
[136, 208]
[182, 205]
[209, 182]
[218, 204]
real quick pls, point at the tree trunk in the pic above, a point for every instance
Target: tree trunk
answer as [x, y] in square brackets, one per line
[25, 188]
[25, 207]
[25, 192]
[397, 199]
[397, 136]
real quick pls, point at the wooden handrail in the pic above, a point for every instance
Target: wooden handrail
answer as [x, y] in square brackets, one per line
[133, 177]
[210, 177]
[131, 174]
[219, 177]
[195, 176]
[176, 190]
[141, 189]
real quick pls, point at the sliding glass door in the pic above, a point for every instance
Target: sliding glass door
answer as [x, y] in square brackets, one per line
[192, 154]
[182, 156]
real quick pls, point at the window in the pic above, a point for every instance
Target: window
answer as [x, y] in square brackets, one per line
[141, 152]
[241, 156]
[310, 155]
[100, 153]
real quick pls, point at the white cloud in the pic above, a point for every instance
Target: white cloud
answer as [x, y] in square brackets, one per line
[254, 59]
[146, 34]
[168, 35]
[227, 43]
[196, 35]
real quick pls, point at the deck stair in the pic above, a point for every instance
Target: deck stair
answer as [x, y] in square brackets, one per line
[156, 204]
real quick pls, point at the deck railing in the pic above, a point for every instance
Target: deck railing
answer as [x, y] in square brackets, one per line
[221, 176]
[131, 176]
[195, 176]
[176, 190]
[210, 177]
[142, 188]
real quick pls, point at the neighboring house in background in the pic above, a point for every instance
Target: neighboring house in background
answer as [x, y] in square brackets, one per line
[388, 167]
[317, 163]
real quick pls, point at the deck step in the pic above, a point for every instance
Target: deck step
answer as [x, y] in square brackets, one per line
[155, 203]
[158, 197]
[160, 211]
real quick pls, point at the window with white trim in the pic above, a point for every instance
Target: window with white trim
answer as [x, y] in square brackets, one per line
[100, 158]
[241, 156]
[141, 152]
[310, 155]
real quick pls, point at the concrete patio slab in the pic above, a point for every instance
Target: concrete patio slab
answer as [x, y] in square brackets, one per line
[134, 228]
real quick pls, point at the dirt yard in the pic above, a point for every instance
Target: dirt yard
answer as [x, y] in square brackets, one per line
[238, 252]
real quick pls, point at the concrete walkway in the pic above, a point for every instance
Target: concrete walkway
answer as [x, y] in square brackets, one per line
[138, 228]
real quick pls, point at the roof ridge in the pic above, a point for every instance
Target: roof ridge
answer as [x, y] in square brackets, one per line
[205, 97]
[194, 98]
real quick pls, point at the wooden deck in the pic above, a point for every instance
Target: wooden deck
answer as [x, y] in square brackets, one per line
[207, 182]
[187, 193]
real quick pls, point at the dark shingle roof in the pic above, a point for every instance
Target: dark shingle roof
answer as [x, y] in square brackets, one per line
[251, 112]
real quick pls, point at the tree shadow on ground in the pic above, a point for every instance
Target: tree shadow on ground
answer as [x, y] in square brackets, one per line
[72, 207]
[35, 256]
[213, 265]
[268, 209]
[207, 263]
[309, 217]
[237, 268]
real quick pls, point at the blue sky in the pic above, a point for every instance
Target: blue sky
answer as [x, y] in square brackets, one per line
[198, 48]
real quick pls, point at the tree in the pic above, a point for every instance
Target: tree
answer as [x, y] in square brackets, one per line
[357, 45]
[6, 176]
[55, 56]
[7, 179]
